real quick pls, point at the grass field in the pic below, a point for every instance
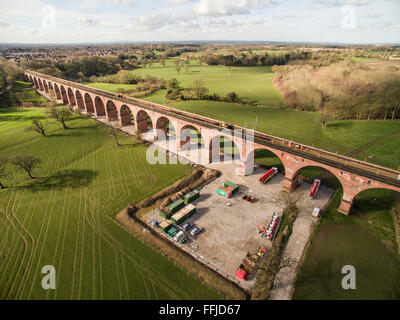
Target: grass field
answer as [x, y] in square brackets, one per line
[20, 94]
[66, 216]
[364, 240]
[257, 87]
[110, 86]
[342, 136]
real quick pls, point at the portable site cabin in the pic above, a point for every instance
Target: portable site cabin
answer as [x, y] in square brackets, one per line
[183, 214]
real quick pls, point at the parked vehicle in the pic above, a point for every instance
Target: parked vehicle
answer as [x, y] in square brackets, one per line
[178, 236]
[187, 225]
[195, 231]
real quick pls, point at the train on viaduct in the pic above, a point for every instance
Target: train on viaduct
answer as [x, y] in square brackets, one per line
[354, 175]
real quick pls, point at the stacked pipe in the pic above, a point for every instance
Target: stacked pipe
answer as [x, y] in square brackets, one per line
[271, 227]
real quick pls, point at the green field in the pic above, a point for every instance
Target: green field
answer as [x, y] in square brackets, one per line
[110, 86]
[66, 216]
[303, 127]
[252, 84]
[364, 240]
[342, 136]
[20, 94]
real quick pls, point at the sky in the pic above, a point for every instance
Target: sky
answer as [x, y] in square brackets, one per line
[101, 21]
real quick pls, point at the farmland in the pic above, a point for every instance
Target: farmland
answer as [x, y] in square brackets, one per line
[66, 216]
[364, 240]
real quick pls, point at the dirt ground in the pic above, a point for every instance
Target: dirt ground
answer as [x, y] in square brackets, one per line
[230, 225]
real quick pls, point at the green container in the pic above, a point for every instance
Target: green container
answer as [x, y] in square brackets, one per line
[165, 225]
[231, 184]
[172, 231]
[175, 206]
[191, 196]
[221, 192]
[165, 213]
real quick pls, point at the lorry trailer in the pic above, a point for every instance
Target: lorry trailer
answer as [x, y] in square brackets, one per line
[314, 188]
[268, 175]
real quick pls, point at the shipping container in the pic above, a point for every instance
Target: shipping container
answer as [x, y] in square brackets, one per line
[165, 213]
[172, 231]
[183, 214]
[165, 225]
[191, 196]
[225, 192]
[175, 206]
[228, 184]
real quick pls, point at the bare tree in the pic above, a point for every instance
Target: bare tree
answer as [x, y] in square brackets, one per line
[59, 114]
[113, 131]
[199, 89]
[37, 126]
[186, 67]
[137, 136]
[26, 162]
[3, 172]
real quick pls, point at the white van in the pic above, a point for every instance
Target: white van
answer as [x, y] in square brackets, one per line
[178, 236]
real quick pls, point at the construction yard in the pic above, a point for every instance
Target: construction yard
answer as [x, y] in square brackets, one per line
[230, 225]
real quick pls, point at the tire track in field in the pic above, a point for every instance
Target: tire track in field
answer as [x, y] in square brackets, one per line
[15, 253]
[373, 142]
[32, 243]
[46, 220]
[30, 217]
[116, 245]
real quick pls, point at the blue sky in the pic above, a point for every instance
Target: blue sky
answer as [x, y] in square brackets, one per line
[343, 21]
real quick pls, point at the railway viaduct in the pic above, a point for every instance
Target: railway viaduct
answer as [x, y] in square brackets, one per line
[354, 175]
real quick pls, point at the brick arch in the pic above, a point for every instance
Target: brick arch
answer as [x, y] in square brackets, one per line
[141, 121]
[295, 174]
[71, 97]
[79, 100]
[186, 136]
[64, 95]
[36, 84]
[99, 106]
[371, 187]
[46, 88]
[251, 156]
[126, 115]
[58, 92]
[41, 88]
[112, 112]
[31, 80]
[163, 128]
[215, 148]
[89, 104]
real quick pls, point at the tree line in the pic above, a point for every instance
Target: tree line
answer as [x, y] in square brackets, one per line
[342, 90]
[252, 59]
[81, 68]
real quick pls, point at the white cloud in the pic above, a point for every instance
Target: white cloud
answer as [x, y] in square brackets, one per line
[3, 24]
[215, 8]
[121, 2]
[177, 2]
[82, 22]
